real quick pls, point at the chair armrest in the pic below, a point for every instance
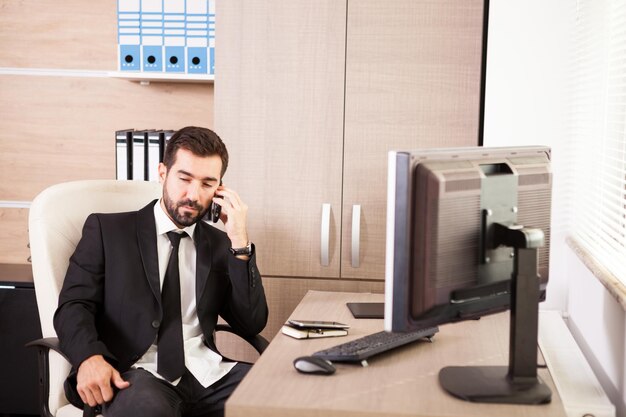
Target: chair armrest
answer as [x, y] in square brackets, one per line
[258, 342]
[43, 349]
[46, 344]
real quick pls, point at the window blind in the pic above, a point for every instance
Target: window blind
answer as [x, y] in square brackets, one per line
[597, 122]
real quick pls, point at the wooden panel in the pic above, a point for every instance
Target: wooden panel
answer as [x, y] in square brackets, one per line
[56, 129]
[279, 101]
[68, 34]
[413, 77]
[14, 236]
[284, 294]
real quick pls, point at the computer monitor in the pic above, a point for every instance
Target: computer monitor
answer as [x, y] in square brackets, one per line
[468, 233]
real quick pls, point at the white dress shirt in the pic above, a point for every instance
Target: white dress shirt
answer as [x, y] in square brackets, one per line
[205, 365]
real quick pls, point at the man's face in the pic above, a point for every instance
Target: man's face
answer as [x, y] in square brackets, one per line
[189, 186]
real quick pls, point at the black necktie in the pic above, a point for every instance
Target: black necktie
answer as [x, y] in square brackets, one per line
[170, 348]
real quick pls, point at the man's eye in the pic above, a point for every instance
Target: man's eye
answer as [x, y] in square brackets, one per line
[185, 179]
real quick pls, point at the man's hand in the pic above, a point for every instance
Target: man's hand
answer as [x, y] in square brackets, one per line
[94, 381]
[234, 215]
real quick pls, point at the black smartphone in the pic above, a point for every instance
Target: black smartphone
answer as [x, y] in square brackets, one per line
[317, 324]
[215, 209]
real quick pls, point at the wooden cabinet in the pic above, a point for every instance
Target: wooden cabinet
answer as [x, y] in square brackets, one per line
[279, 94]
[413, 79]
[310, 96]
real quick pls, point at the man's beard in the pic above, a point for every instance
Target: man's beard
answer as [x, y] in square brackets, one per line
[185, 219]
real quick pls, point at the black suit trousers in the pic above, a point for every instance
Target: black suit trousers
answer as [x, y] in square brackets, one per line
[149, 396]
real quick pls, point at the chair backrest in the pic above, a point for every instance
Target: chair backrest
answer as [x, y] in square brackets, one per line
[55, 223]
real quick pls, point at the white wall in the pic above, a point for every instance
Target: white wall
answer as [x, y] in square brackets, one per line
[525, 105]
[527, 66]
[598, 323]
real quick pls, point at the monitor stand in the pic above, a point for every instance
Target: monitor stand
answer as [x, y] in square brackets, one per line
[518, 383]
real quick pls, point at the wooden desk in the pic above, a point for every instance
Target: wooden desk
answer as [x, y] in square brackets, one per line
[403, 382]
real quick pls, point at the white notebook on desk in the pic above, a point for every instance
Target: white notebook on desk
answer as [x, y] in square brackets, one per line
[311, 333]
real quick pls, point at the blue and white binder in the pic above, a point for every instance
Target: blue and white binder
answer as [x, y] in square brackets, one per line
[174, 35]
[128, 35]
[152, 35]
[211, 36]
[197, 34]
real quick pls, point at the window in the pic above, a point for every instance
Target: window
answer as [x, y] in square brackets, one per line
[597, 101]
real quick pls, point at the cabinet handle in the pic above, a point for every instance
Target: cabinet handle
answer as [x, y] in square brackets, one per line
[356, 234]
[325, 234]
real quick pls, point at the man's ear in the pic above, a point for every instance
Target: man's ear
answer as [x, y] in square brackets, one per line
[162, 172]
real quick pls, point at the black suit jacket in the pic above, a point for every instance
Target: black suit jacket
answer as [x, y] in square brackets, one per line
[110, 303]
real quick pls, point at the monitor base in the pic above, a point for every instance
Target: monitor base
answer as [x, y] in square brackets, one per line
[492, 384]
[367, 310]
[517, 383]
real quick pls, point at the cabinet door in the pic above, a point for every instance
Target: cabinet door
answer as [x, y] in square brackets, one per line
[279, 108]
[413, 80]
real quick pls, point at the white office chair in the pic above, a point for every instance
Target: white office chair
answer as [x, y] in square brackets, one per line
[55, 225]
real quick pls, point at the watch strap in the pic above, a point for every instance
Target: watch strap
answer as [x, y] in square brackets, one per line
[246, 250]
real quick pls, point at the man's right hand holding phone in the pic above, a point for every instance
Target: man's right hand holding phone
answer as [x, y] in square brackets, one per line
[233, 213]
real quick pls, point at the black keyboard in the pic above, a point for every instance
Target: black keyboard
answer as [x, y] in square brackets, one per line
[373, 344]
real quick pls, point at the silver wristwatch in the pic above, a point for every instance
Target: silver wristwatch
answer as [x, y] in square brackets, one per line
[247, 250]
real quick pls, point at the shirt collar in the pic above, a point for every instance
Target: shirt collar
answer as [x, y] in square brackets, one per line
[164, 224]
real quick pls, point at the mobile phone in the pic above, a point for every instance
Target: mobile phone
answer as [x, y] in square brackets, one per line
[215, 209]
[318, 324]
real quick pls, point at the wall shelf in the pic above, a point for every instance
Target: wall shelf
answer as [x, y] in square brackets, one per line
[147, 77]
[143, 78]
[53, 72]
[14, 204]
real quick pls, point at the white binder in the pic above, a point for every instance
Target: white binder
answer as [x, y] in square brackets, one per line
[152, 35]
[122, 140]
[140, 151]
[129, 35]
[174, 36]
[211, 37]
[153, 155]
[197, 33]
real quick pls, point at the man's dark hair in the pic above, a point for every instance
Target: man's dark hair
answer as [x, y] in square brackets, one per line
[200, 141]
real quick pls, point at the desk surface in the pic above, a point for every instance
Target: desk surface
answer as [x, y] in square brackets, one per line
[402, 382]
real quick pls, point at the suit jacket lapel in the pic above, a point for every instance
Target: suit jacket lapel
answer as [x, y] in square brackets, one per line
[146, 238]
[203, 259]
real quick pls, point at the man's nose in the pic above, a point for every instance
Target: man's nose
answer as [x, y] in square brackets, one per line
[193, 192]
